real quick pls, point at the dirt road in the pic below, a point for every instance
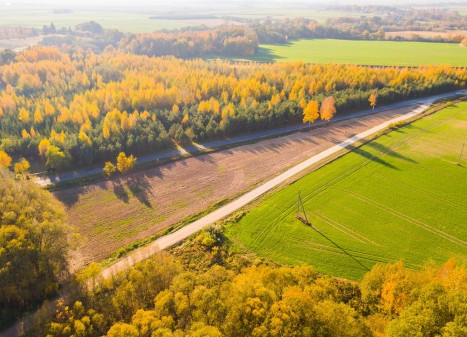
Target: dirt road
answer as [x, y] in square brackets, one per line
[115, 213]
[171, 239]
[112, 214]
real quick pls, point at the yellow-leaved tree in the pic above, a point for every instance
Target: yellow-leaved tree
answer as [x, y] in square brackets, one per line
[22, 166]
[109, 168]
[5, 159]
[310, 112]
[125, 163]
[373, 99]
[34, 243]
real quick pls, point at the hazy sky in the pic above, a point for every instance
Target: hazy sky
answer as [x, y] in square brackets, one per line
[200, 3]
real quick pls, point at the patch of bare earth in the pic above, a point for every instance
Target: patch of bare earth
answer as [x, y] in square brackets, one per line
[426, 34]
[114, 213]
[20, 43]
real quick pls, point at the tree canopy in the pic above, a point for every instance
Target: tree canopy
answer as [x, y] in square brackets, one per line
[92, 107]
[33, 244]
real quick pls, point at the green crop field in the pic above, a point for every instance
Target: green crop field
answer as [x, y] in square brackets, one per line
[399, 197]
[364, 52]
[125, 22]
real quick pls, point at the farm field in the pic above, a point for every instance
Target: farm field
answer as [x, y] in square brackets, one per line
[425, 34]
[400, 197]
[140, 22]
[114, 213]
[363, 52]
[125, 22]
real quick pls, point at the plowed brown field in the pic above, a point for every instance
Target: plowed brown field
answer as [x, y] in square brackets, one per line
[114, 213]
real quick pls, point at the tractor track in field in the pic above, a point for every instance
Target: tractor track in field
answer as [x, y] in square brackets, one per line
[323, 217]
[336, 180]
[408, 218]
[354, 253]
[261, 236]
[368, 161]
[425, 193]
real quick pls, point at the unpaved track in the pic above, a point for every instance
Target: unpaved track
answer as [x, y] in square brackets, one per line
[178, 236]
[255, 136]
[112, 214]
[171, 239]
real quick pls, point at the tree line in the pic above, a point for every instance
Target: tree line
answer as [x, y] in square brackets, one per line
[202, 290]
[34, 245]
[79, 109]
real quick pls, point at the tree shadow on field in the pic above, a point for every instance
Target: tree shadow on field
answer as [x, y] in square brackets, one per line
[120, 192]
[389, 152]
[373, 158]
[365, 268]
[141, 190]
[266, 55]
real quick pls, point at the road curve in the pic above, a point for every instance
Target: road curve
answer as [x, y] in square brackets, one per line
[169, 240]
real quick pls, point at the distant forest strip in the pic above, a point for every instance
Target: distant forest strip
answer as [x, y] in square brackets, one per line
[243, 39]
[90, 107]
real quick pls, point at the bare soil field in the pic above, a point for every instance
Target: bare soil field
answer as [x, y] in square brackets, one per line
[427, 34]
[114, 213]
[20, 43]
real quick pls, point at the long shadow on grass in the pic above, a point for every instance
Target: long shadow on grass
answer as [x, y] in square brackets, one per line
[373, 158]
[343, 250]
[265, 55]
[389, 152]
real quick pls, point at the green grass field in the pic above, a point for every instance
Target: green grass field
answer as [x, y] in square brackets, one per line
[140, 22]
[364, 52]
[125, 22]
[399, 197]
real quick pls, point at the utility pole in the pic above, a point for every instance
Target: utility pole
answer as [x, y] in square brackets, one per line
[458, 160]
[300, 203]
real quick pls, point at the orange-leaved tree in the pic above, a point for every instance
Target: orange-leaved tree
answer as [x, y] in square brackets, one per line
[328, 108]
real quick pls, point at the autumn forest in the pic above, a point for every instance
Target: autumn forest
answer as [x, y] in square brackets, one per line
[88, 107]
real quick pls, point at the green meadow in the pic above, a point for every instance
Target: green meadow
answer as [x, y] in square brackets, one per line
[399, 197]
[363, 52]
[125, 22]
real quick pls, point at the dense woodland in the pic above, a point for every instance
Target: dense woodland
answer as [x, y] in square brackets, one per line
[206, 287]
[202, 289]
[229, 41]
[81, 108]
[34, 244]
